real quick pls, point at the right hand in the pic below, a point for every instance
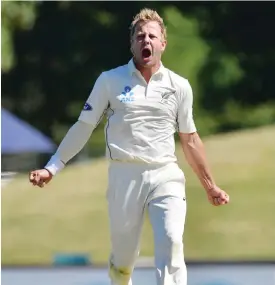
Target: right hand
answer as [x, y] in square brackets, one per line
[40, 177]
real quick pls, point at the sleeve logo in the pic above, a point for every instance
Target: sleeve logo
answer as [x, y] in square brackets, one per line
[87, 107]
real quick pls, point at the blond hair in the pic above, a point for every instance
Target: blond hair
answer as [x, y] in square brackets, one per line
[146, 15]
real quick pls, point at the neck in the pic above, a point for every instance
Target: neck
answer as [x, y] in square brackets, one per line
[147, 72]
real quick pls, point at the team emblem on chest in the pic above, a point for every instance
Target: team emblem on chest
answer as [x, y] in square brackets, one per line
[127, 95]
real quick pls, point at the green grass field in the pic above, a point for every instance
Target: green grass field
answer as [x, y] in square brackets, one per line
[69, 215]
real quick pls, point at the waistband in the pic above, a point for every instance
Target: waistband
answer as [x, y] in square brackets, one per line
[138, 164]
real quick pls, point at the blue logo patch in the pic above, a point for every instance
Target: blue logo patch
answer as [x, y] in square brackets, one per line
[126, 95]
[127, 89]
[87, 107]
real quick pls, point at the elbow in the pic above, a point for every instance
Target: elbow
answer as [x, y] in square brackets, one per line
[191, 142]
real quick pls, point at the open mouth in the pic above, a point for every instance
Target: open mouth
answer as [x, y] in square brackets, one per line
[146, 53]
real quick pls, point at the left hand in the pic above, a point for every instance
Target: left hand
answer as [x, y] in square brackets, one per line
[217, 196]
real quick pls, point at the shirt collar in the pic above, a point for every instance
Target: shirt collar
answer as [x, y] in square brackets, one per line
[132, 68]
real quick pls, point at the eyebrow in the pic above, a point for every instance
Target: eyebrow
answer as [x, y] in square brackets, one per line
[150, 34]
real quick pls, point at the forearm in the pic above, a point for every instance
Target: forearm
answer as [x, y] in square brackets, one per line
[195, 154]
[73, 142]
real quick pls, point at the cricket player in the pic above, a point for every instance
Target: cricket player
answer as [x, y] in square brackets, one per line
[145, 104]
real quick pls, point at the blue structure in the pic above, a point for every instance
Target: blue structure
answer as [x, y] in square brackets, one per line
[18, 136]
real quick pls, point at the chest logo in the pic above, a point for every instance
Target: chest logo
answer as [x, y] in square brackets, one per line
[127, 95]
[166, 95]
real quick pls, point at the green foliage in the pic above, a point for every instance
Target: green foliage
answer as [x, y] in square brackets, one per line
[15, 16]
[236, 116]
[227, 72]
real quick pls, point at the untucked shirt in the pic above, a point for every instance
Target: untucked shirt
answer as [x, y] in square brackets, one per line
[142, 117]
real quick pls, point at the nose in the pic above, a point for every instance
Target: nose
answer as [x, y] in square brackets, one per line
[146, 39]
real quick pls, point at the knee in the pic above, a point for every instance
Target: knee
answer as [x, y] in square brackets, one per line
[170, 249]
[169, 243]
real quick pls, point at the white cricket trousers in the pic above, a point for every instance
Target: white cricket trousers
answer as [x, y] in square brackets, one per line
[132, 189]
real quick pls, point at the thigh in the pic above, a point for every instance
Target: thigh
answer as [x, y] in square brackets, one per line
[167, 181]
[167, 216]
[125, 237]
[126, 215]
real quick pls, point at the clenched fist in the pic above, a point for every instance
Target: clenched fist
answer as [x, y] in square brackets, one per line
[217, 197]
[40, 177]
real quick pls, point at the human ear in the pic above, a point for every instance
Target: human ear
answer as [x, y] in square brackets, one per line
[163, 45]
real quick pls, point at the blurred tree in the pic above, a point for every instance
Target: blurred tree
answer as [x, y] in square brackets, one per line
[240, 66]
[15, 16]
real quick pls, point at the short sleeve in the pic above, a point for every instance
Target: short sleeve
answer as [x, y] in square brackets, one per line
[97, 102]
[186, 122]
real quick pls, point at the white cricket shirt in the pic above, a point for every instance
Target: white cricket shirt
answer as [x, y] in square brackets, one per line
[142, 118]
